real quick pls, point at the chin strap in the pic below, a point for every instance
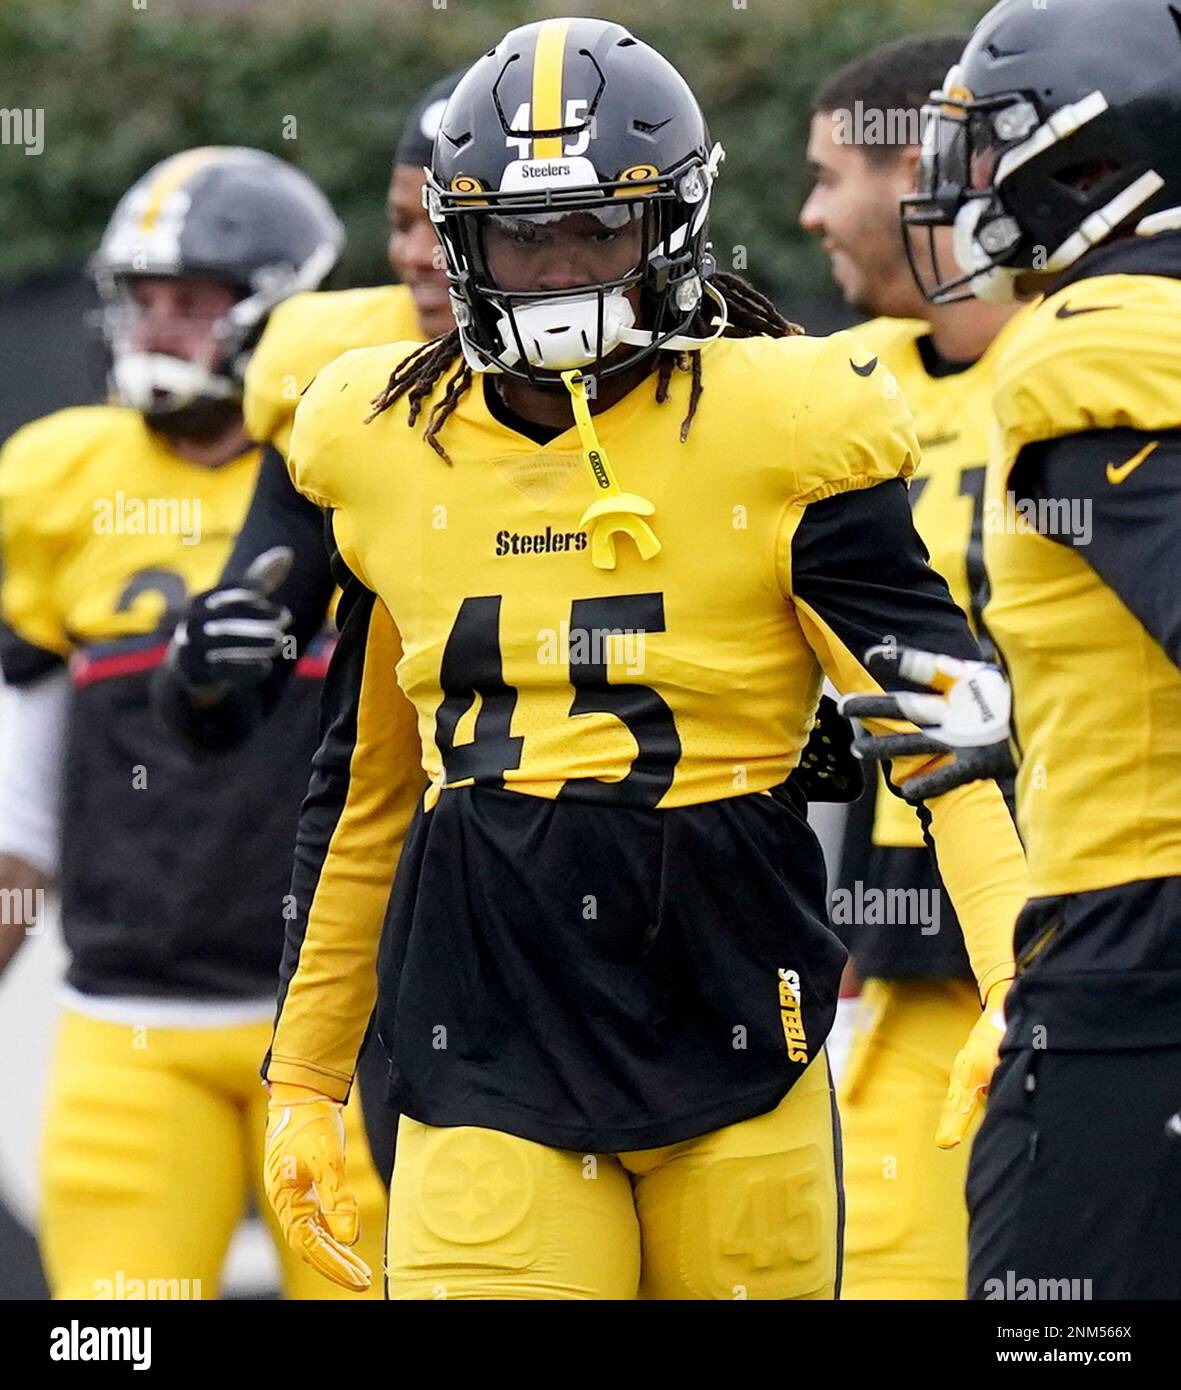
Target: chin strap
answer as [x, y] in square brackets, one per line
[615, 512]
[682, 342]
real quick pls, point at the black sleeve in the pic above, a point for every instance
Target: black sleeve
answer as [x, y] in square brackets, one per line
[1115, 495]
[861, 570]
[22, 663]
[860, 577]
[278, 515]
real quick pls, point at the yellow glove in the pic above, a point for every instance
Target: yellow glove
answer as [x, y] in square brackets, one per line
[973, 1068]
[303, 1173]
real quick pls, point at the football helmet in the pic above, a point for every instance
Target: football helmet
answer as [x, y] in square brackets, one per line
[565, 117]
[416, 141]
[236, 215]
[1056, 131]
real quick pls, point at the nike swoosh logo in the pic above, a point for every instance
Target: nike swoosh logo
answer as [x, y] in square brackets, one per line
[867, 370]
[1066, 312]
[1116, 475]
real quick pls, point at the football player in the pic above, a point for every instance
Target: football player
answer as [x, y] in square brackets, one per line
[173, 874]
[906, 1220]
[599, 545]
[240, 641]
[1054, 160]
[209, 688]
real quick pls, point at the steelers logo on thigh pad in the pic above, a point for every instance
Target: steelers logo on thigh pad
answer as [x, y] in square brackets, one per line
[477, 1186]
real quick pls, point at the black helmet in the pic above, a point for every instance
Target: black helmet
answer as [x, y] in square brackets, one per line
[237, 215]
[1058, 129]
[417, 138]
[574, 116]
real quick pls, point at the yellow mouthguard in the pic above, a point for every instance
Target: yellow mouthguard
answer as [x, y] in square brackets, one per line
[614, 512]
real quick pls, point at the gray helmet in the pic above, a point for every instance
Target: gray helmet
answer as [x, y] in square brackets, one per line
[235, 214]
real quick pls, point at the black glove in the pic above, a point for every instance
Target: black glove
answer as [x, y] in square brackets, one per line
[231, 636]
[965, 715]
[828, 769]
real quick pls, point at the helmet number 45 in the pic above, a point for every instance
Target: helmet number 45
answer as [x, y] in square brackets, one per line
[576, 109]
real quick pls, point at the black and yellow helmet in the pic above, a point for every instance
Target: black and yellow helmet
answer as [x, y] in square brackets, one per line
[1057, 131]
[575, 116]
[234, 214]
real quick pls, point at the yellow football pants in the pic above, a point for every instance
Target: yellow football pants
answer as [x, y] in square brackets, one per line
[750, 1211]
[906, 1222]
[153, 1143]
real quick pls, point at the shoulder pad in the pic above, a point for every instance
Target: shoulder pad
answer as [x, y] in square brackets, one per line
[853, 427]
[888, 337]
[41, 458]
[304, 334]
[334, 408]
[1102, 353]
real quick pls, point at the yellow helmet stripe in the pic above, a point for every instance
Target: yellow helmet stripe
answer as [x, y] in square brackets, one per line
[174, 174]
[547, 86]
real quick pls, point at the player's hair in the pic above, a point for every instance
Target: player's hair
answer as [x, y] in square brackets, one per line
[751, 315]
[897, 77]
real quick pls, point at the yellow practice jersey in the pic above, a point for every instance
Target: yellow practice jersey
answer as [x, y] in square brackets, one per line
[1097, 701]
[486, 564]
[106, 528]
[613, 730]
[304, 334]
[172, 870]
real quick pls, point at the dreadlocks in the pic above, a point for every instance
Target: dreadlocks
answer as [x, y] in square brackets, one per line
[752, 315]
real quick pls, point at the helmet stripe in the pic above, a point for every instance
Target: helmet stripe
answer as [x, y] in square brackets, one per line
[174, 174]
[548, 59]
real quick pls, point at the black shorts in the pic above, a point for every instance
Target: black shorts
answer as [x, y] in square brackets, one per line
[1074, 1187]
[604, 978]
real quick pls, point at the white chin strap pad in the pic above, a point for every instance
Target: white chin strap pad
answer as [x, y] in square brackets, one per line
[140, 378]
[560, 334]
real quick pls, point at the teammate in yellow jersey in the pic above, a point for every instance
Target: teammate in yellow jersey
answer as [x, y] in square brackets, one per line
[1053, 159]
[599, 545]
[906, 1219]
[305, 332]
[172, 874]
[309, 330]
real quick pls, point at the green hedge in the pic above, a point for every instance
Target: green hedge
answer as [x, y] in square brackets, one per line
[125, 82]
